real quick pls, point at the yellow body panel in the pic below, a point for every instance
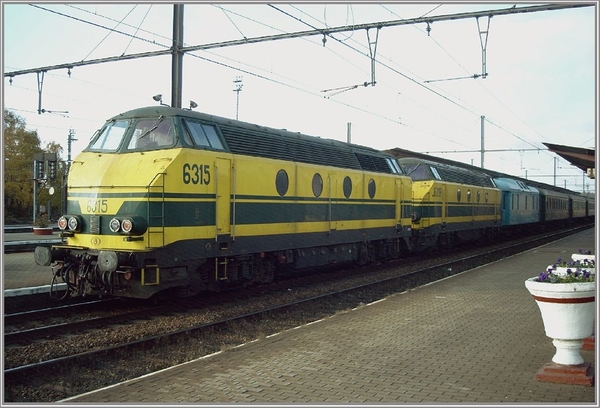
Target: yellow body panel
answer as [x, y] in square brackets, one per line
[200, 181]
[444, 202]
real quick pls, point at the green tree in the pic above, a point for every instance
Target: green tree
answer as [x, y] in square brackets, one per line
[20, 146]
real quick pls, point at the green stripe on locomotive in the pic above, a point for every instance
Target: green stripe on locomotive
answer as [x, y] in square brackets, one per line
[480, 204]
[161, 194]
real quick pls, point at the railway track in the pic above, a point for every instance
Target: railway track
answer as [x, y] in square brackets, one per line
[251, 323]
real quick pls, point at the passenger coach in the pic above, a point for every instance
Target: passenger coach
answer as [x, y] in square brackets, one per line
[520, 202]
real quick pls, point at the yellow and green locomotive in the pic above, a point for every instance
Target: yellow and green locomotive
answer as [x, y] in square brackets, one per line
[451, 204]
[166, 198]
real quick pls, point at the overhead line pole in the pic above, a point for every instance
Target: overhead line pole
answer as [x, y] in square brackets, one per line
[177, 59]
[298, 34]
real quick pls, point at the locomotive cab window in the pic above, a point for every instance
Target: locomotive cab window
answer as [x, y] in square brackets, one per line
[394, 166]
[417, 171]
[110, 136]
[204, 135]
[152, 134]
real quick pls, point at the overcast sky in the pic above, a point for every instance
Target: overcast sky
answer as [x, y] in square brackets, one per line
[541, 84]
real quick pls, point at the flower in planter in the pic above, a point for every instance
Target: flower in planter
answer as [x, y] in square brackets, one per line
[572, 276]
[582, 252]
[585, 263]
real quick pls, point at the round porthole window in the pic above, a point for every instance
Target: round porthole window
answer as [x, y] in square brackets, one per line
[347, 187]
[372, 188]
[317, 185]
[282, 182]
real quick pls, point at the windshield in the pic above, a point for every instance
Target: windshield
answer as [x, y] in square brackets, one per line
[109, 138]
[152, 134]
[417, 172]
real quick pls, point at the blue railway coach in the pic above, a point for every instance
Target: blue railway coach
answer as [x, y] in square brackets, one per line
[520, 202]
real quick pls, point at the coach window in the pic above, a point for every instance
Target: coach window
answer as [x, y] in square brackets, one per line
[458, 195]
[469, 196]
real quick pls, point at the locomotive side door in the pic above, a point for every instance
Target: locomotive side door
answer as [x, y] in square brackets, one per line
[223, 196]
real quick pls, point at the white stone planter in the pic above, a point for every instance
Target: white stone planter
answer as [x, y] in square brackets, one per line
[562, 271]
[568, 312]
[581, 257]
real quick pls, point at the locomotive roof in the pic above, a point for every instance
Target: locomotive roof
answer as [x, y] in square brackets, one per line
[451, 173]
[256, 140]
[542, 187]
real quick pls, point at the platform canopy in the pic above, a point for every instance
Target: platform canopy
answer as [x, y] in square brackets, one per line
[580, 157]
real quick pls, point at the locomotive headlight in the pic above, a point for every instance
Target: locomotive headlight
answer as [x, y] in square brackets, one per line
[73, 223]
[62, 223]
[114, 225]
[127, 225]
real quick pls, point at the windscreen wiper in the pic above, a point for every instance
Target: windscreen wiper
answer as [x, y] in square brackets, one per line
[153, 127]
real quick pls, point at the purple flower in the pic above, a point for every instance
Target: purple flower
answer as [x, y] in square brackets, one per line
[543, 277]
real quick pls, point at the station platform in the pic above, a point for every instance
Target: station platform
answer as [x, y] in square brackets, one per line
[474, 338]
[20, 273]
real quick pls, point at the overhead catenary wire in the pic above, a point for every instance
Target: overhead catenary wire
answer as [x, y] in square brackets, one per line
[473, 76]
[110, 32]
[366, 111]
[268, 78]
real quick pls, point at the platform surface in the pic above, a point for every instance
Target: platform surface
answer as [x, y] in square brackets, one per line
[474, 338]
